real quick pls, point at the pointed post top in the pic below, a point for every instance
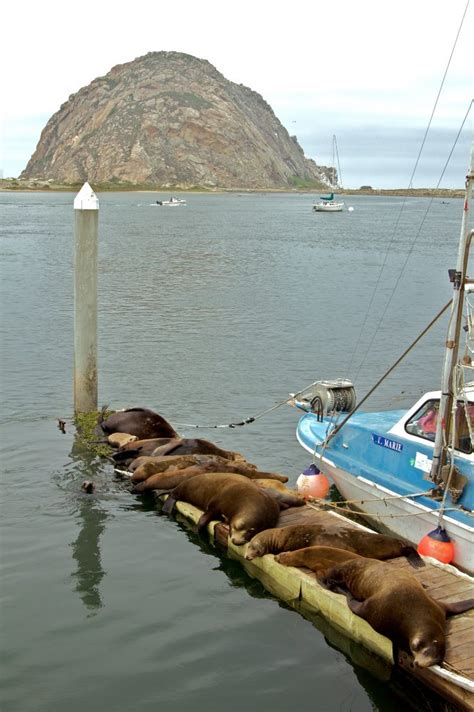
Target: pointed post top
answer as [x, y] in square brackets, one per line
[86, 199]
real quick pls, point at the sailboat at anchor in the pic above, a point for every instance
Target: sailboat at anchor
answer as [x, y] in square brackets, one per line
[328, 204]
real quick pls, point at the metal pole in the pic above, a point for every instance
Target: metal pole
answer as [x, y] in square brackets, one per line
[454, 330]
[86, 220]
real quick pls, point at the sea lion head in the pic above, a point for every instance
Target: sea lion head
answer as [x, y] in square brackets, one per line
[240, 532]
[428, 647]
[256, 548]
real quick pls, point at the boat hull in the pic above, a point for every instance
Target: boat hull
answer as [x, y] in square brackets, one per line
[328, 207]
[383, 476]
[358, 488]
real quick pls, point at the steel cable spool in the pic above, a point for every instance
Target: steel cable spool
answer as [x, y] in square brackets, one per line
[332, 396]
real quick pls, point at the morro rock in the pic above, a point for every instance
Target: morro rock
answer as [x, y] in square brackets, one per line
[170, 119]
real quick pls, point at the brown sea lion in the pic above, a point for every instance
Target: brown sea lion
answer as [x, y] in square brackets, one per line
[284, 496]
[298, 536]
[131, 450]
[195, 446]
[144, 467]
[247, 508]
[319, 559]
[142, 422]
[164, 480]
[396, 605]
[88, 486]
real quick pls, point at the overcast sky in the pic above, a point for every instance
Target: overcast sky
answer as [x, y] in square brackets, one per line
[367, 71]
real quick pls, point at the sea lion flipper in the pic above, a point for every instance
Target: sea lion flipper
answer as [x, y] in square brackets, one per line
[413, 557]
[326, 581]
[204, 520]
[169, 504]
[356, 606]
[167, 449]
[453, 609]
[122, 455]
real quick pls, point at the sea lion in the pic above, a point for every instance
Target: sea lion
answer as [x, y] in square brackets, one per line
[144, 467]
[247, 508]
[284, 496]
[88, 486]
[142, 422]
[319, 559]
[298, 536]
[163, 482]
[138, 448]
[169, 478]
[194, 446]
[396, 605]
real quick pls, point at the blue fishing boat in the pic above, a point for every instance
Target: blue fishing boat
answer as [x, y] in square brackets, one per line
[411, 472]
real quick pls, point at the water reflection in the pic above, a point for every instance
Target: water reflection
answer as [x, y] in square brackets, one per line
[86, 548]
[86, 552]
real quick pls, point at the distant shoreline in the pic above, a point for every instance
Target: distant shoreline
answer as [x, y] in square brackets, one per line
[38, 186]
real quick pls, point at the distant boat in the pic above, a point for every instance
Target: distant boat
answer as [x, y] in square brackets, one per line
[172, 202]
[328, 204]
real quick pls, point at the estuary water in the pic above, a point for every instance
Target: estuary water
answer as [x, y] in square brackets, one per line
[209, 314]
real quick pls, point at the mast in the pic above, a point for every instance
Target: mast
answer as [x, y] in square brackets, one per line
[458, 278]
[335, 158]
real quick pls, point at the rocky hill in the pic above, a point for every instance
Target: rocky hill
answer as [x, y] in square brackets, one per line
[170, 119]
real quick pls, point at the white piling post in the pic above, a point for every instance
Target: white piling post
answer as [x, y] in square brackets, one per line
[86, 221]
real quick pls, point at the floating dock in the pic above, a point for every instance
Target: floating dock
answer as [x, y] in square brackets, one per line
[298, 588]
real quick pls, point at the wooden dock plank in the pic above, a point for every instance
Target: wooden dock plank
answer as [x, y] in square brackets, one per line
[459, 623]
[298, 587]
[441, 591]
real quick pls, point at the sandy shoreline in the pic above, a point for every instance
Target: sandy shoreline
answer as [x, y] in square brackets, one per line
[18, 185]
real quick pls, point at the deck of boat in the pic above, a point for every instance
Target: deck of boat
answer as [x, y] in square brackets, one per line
[298, 587]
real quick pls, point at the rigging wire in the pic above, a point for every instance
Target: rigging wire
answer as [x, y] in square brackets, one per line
[410, 251]
[405, 200]
[439, 93]
[408, 254]
[382, 378]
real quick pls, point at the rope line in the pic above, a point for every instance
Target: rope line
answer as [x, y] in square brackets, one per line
[334, 505]
[382, 499]
[252, 419]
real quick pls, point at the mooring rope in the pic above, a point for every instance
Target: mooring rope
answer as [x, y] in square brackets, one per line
[292, 397]
[253, 418]
[335, 506]
[383, 499]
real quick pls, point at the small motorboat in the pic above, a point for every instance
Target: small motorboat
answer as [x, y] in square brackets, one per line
[172, 202]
